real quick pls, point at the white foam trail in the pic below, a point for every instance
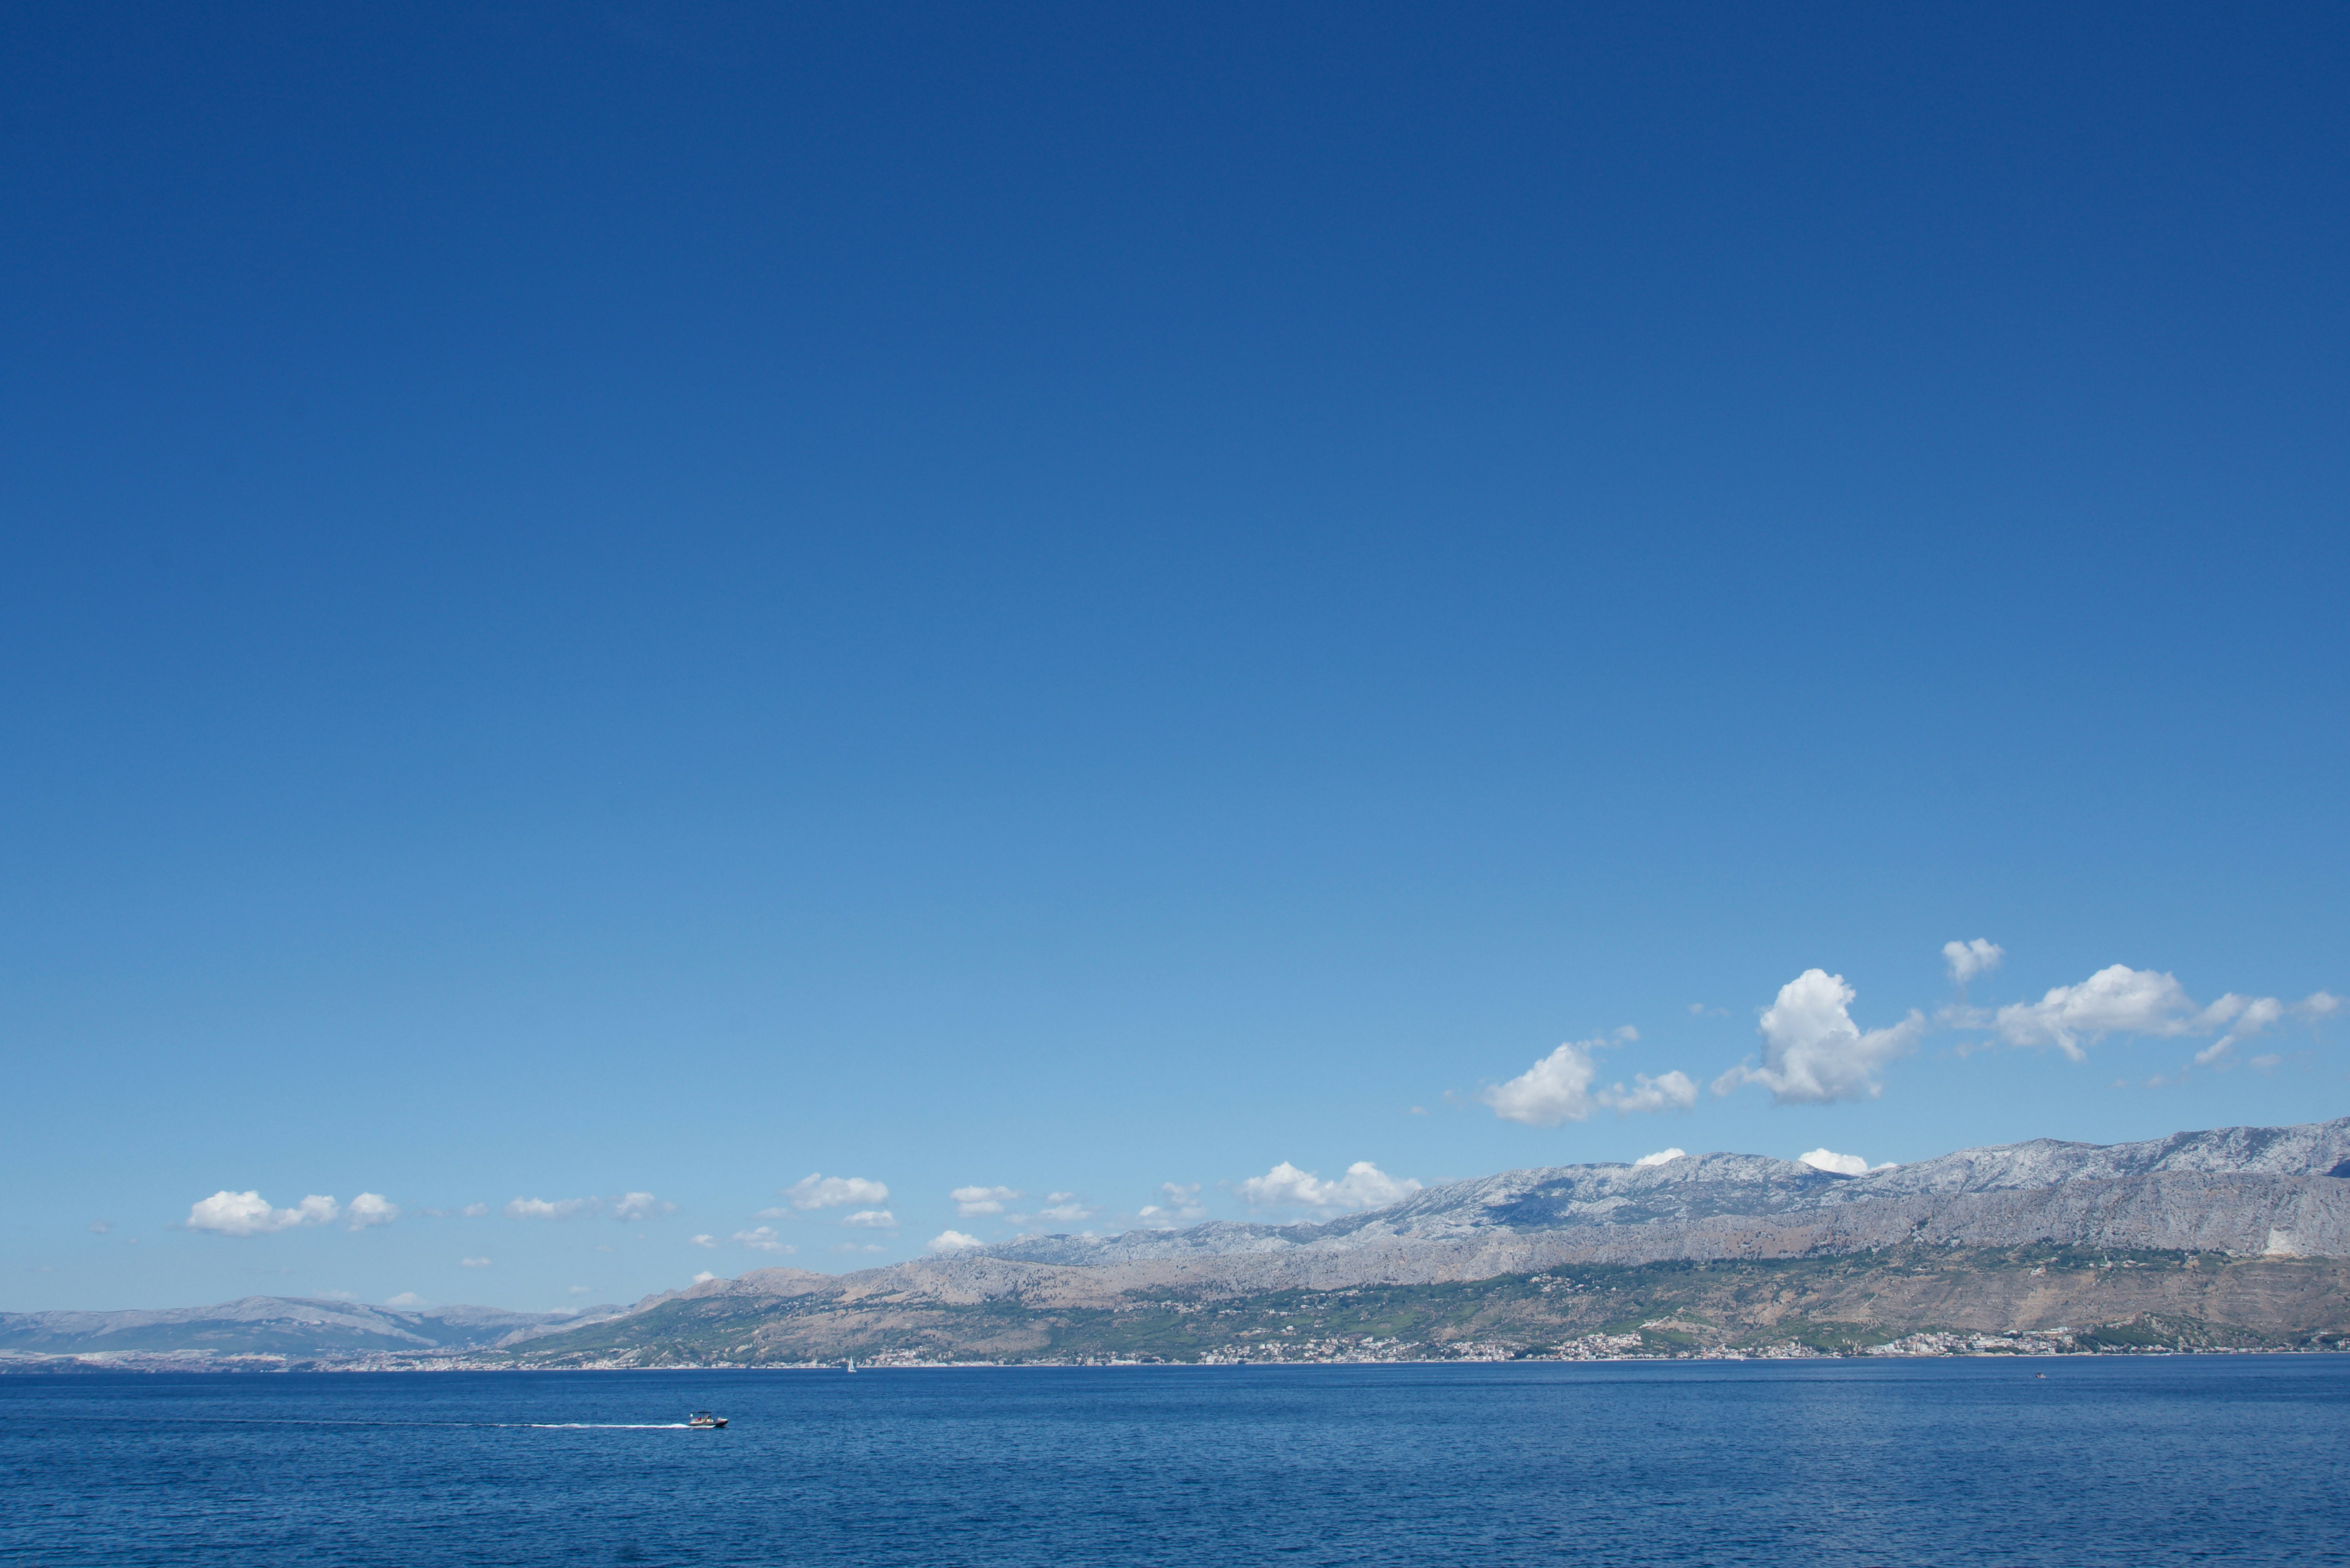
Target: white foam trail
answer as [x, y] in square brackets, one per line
[604, 1425]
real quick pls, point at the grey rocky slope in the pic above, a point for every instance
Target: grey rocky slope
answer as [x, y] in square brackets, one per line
[281, 1325]
[2243, 1190]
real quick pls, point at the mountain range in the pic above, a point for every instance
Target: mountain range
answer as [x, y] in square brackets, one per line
[2224, 1234]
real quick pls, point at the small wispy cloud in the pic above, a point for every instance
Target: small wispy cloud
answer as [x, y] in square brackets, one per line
[472, 1262]
[1674, 1091]
[629, 1207]
[763, 1239]
[971, 1202]
[1182, 1202]
[819, 1191]
[406, 1299]
[1965, 961]
[1066, 1207]
[703, 1240]
[872, 1219]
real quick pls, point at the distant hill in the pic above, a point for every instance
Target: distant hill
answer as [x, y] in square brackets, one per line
[279, 1326]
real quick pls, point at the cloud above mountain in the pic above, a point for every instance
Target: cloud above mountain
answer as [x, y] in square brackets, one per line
[1365, 1186]
[227, 1213]
[971, 1202]
[1813, 1052]
[2119, 1000]
[1836, 1164]
[818, 1191]
[1560, 1087]
[1181, 1202]
[764, 1239]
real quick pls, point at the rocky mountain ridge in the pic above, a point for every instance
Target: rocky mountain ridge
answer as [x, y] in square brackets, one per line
[2273, 1192]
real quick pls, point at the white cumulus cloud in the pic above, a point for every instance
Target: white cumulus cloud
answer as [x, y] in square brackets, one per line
[1829, 1161]
[1676, 1091]
[541, 1209]
[1662, 1157]
[971, 1202]
[873, 1218]
[230, 1214]
[1067, 1208]
[1365, 1186]
[1553, 1090]
[954, 1241]
[815, 1191]
[2119, 1000]
[1814, 1053]
[640, 1206]
[705, 1240]
[763, 1239]
[371, 1209]
[1560, 1087]
[1967, 960]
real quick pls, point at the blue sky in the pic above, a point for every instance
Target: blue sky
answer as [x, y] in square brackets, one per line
[1072, 599]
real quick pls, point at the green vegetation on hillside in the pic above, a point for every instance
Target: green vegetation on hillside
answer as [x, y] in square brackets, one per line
[1931, 1300]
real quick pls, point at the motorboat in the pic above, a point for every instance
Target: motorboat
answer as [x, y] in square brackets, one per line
[705, 1420]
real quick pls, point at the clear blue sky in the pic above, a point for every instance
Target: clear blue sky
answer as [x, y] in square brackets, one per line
[658, 599]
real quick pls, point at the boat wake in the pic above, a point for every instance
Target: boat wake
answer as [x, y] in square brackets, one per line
[452, 1425]
[604, 1425]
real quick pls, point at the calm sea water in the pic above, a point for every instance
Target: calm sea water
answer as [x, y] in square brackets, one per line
[2122, 1461]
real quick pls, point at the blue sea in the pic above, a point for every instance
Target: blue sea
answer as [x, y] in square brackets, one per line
[2237, 1459]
